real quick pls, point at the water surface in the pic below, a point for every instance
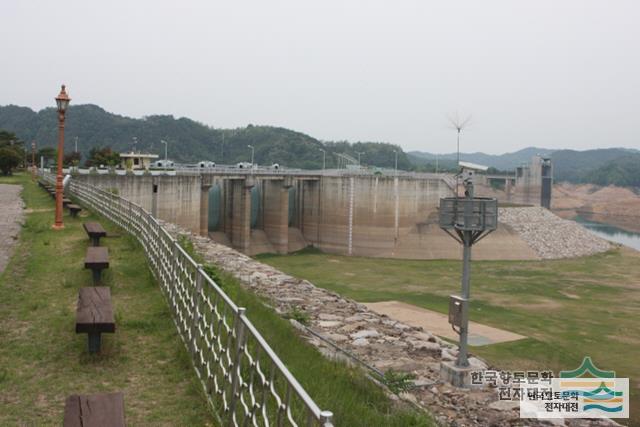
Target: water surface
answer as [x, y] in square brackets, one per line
[611, 232]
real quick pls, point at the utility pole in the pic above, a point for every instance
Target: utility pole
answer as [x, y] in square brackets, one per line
[33, 159]
[222, 149]
[76, 143]
[324, 158]
[359, 153]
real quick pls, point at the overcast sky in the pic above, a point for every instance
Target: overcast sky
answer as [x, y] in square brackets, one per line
[558, 73]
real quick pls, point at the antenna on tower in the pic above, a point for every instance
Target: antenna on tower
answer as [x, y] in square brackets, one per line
[458, 123]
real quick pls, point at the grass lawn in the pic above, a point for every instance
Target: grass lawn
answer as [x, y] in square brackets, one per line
[568, 308]
[43, 360]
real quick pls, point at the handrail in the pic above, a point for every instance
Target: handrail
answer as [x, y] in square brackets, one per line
[244, 380]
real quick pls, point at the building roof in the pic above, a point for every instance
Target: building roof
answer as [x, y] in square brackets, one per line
[139, 155]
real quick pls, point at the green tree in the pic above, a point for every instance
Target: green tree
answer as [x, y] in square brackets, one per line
[102, 156]
[11, 152]
[9, 160]
[71, 159]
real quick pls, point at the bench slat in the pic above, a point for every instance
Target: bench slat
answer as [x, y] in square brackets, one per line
[97, 257]
[94, 229]
[94, 312]
[104, 410]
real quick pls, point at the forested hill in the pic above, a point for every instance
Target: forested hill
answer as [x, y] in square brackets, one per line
[606, 166]
[189, 141]
[610, 166]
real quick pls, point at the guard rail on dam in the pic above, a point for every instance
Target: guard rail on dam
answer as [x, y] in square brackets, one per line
[244, 380]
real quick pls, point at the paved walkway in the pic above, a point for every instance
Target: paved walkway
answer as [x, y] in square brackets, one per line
[11, 215]
[438, 323]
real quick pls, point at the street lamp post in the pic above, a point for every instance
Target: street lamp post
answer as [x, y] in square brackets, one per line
[166, 161]
[252, 152]
[62, 102]
[359, 153]
[396, 164]
[324, 158]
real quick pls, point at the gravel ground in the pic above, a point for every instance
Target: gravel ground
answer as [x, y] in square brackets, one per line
[11, 215]
[550, 236]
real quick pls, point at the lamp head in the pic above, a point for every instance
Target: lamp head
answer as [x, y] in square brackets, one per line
[62, 100]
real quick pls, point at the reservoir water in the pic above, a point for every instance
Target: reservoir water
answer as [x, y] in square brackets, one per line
[611, 232]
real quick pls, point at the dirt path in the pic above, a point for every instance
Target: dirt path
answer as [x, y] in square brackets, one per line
[11, 215]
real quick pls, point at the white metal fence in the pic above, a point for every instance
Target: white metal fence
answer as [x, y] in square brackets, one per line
[244, 380]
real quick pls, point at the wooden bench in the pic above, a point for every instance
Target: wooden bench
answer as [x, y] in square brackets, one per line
[93, 410]
[74, 210]
[94, 315]
[94, 231]
[66, 202]
[97, 259]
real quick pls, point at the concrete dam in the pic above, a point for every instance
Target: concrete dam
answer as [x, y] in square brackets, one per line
[338, 212]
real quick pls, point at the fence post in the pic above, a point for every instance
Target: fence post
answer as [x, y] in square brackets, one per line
[173, 275]
[195, 318]
[235, 385]
[326, 419]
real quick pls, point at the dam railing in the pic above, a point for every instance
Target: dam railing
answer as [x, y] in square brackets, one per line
[244, 380]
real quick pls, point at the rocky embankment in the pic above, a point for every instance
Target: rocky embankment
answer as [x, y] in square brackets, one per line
[376, 340]
[550, 236]
[613, 205]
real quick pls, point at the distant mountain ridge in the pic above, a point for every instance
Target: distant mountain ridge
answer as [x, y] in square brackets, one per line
[190, 141]
[507, 161]
[603, 166]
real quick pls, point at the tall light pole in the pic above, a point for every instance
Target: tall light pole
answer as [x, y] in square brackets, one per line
[324, 158]
[359, 153]
[252, 152]
[62, 102]
[166, 146]
[76, 141]
[222, 150]
[436, 162]
[396, 166]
